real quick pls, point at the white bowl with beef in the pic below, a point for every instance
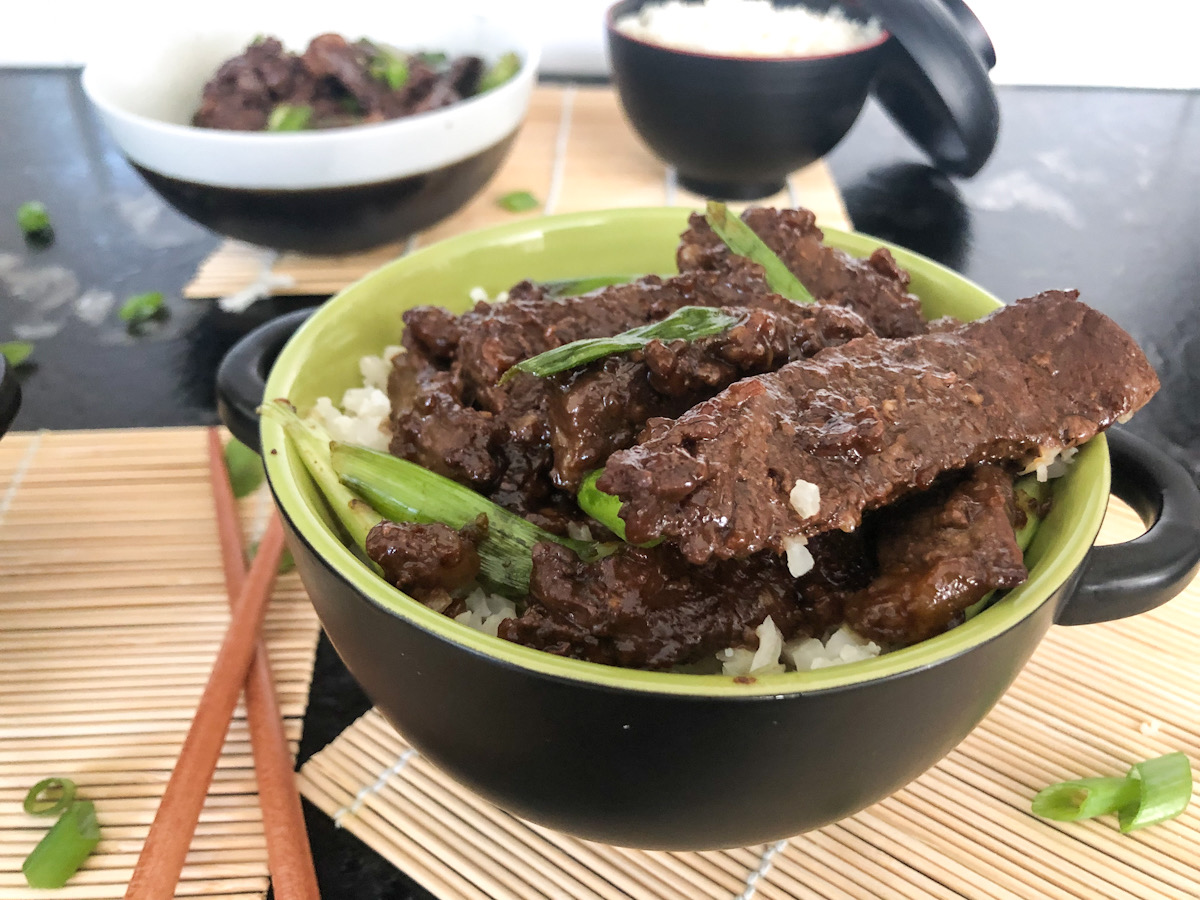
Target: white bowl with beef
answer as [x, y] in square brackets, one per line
[330, 190]
[575, 733]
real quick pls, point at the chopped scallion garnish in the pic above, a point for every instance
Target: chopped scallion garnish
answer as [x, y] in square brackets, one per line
[33, 218]
[16, 352]
[501, 71]
[50, 796]
[65, 846]
[517, 201]
[742, 241]
[1152, 792]
[288, 117]
[141, 308]
[687, 323]
[245, 468]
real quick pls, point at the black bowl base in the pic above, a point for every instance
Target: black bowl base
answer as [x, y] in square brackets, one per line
[731, 190]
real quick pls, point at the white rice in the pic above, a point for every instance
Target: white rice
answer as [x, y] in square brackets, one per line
[799, 559]
[802, 654]
[748, 28]
[362, 416]
[805, 498]
[1051, 463]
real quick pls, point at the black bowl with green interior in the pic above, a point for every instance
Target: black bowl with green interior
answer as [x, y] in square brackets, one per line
[660, 760]
[10, 394]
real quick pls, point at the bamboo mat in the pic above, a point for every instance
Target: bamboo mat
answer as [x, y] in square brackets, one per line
[112, 607]
[1092, 701]
[574, 152]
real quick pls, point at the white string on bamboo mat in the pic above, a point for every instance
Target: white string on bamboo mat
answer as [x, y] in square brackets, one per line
[791, 189]
[764, 866]
[670, 186]
[557, 173]
[380, 783]
[19, 474]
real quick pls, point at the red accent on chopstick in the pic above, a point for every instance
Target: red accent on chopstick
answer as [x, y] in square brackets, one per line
[159, 865]
[289, 856]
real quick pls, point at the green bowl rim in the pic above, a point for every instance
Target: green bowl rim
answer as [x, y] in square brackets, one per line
[1046, 577]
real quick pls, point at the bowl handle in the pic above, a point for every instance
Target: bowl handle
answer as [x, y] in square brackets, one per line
[10, 394]
[242, 375]
[1121, 580]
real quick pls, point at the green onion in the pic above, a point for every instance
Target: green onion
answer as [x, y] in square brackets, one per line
[518, 201]
[405, 492]
[1152, 792]
[390, 68]
[141, 308]
[286, 117]
[1164, 791]
[50, 796]
[433, 60]
[604, 508]
[33, 218]
[741, 240]
[501, 71]
[312, 446]
[687, 323]
[245, 468]
[66, 845]
[573, 287]
[16, 352]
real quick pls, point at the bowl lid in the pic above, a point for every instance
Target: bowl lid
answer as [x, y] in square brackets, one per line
[933, 80]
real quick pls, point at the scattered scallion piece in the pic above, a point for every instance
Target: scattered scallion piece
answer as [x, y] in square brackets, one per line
[604, 508]
[518, 201]
[245, 468]
[65, 846]
[33, 218]
[433, 60]
[1152, 792]
[50, 796]
[402, 491]
[389, 67]
[741, 240]
[500, 71]
[289, 117]
[687, 323]
[141, 308]
[16, 352]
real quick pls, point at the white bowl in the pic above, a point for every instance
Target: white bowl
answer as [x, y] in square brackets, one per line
[332, 190]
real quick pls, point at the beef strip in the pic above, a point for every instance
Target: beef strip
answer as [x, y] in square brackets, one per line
[874, 419]
[939, 553]
[244, 90]
[602, 408]
[876, 288]
[427, 561]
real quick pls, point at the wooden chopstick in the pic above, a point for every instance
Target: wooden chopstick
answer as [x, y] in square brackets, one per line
[289, 856]
[161, 861]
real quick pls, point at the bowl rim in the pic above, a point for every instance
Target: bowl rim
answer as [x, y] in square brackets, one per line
[1045, 579]
[610, 27]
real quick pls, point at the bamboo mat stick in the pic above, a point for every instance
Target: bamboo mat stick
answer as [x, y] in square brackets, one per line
[289, 857]
[162, 857]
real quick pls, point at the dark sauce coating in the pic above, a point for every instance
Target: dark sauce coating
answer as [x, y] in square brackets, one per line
[876, 288]
[334, 78]
[873, 420]
[427, 561]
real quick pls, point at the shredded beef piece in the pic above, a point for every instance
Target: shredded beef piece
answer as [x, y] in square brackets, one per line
[648, 608]
[876, 288]
[874, 419]
[244, 90]
[602, 408]
[427, 561]
[939, 553]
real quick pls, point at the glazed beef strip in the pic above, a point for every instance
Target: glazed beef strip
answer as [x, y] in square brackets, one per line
[244, 90]
[876, 288]
[874, 419]
[939, 553]
[427, 561]
[602, 408]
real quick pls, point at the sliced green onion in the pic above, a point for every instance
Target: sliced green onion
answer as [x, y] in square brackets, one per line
[16, 352]
[604, 508]
[50, 796]
[33, 218]
[245, 468]
[405, 492]
[141, 308]
[1164, 791]
[687, 323]
[741, 240]
[389, 67]
[573, 287]
[1086, 798]
[501, 71]
[1153, 791]
[518, 201]
[288, 117]
[433, 60]
[66, 845]
[312, 446]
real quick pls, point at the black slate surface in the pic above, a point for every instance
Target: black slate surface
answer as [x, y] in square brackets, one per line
[1094, 189]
